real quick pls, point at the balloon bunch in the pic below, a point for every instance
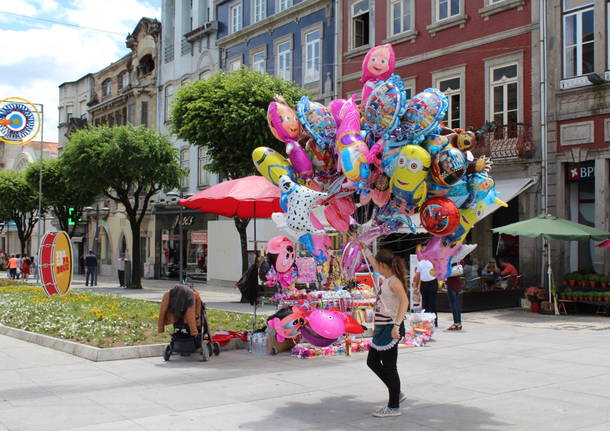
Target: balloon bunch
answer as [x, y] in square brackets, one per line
[390, 151]
[317, 326]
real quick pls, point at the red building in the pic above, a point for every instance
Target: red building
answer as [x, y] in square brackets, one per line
[484, 55]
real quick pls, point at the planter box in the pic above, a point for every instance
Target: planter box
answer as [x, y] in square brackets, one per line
[479, 301]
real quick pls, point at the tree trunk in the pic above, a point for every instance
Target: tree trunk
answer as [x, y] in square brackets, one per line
[241, 224]
[136, 274]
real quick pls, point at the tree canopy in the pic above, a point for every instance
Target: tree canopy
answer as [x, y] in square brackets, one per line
[18, 203]
[59, 193]
[128, 165]
[227, 113]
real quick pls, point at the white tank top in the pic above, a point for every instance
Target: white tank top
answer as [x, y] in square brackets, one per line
[387, 304]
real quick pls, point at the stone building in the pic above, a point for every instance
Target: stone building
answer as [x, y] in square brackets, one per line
[579, 125]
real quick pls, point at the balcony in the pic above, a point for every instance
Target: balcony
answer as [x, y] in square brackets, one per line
[505, 141]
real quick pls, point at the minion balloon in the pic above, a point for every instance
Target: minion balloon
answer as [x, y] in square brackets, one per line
[271, 164]
[408, 182]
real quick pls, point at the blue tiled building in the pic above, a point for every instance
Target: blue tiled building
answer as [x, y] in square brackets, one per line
[294, 39]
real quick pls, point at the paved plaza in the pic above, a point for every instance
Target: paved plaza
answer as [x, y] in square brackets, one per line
[508, 370]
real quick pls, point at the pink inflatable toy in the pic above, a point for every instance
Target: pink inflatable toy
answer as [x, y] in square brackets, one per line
[378, 65]
[352, 149]
[325, 323]
[285, 251]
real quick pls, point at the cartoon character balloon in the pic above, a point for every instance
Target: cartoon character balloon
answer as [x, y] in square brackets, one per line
[284, 253]
[449, 166]
[298, 201]
[384, 107]
[423, 114]
[350, 144]
[318, 120]
[439, 216]
[287, 322]
[408, 183]
[378, 65]
[271, 164]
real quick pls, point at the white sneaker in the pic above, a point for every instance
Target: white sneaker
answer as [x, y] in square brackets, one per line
[386, 412]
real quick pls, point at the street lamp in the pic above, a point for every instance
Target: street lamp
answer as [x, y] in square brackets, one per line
[175, 197]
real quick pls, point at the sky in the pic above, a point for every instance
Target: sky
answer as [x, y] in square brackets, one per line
[62, 41]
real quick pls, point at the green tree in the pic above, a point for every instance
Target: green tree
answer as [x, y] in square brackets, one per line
[19, 204]
[227, 114]
[128, 165]
[59, 193]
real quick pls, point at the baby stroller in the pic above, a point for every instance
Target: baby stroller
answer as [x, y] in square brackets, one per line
[185, 344]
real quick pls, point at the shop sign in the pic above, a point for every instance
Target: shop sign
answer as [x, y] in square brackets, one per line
[55, 263]
[580, 172]
[199, 237]
[168, 237]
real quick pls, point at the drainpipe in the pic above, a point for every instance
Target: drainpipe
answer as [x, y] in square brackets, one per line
[338, 55]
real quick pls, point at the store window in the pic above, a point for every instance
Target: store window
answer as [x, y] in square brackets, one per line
[235, 18]
[258, 61]
[260, 10]
[578, 38]
[452, 87]
[360, 23]
[447, 8]
[401, 15]
[284, 60]
[504, 94]
[185, 158]
[283, 5]
[313, 47]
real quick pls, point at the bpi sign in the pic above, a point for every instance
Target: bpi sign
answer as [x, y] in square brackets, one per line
[580, 172]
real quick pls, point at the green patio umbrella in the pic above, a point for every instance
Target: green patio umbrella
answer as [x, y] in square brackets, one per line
[550, 227]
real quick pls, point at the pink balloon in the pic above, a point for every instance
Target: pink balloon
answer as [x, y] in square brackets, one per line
[299, 160]
[439, 255]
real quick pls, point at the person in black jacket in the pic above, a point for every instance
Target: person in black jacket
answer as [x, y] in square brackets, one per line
[91, 268]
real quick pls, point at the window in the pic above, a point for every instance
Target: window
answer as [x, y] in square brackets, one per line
[144, 114]
[185, 156]
[260, 10]
[400, 16]
[447, 8]
[235, 64]
[578, 41]
[258, 62]
[360, 23]
[205, 75]
[504, 94]
[123, 80]
[284, 60]
[608, 37]
[107, 88]
[146, 65]
[283, 5]
[169, 95]
[452, 89]
[235, 18]
[312, 56]
[203, 161]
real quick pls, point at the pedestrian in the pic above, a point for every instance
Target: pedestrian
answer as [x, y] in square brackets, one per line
[19, 262]
[120, 267]
[454, 288]
[91, 268]
[34, 263]
[12, 267]
[425, 281]
[25, 267]
[391, 308]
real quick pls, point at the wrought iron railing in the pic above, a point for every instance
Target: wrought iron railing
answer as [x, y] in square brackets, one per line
[505, 141]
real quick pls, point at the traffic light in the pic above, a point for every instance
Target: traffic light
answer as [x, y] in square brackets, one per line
[73, 217]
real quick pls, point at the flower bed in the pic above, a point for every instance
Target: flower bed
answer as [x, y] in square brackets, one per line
[97, 319]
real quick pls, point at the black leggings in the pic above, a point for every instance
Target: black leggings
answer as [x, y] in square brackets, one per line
[428, 297]
[383, 363]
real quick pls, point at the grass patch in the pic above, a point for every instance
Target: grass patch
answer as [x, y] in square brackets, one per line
[97, 319]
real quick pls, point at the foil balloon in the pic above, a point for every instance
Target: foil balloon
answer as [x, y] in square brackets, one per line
[283, 121]
[458, 192]
[350, 144]
[284, 251]
[465, 140]
[408, 183]
[377, 65]
[271, 164]
[338, 212]
[323, 327]
[299, 160]
[287, 322]
[297, 201]
[318, 121]
[449, 165]
[423, 114]
[439, 255]
[468, 217]
[385, 106]
[335, 107]
[439, 216]
[482, 189]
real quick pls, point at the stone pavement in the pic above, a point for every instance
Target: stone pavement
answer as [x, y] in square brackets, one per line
[507, 370]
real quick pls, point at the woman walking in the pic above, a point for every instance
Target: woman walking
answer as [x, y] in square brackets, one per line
[390, 310]
[25, 267]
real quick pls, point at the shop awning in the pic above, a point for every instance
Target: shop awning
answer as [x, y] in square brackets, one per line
[508, 189]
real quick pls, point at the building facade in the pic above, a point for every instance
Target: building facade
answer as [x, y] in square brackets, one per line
[123, 92]
[295, 40]
[484, 55]
[188, 53]
[579, 125]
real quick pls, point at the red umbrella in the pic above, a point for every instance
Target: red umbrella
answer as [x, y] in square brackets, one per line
[248, 197]
[605, 244]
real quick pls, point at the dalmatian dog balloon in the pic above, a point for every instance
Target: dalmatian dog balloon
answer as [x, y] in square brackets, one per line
[298, 201]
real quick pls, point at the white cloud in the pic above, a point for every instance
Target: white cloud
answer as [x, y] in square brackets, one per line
[56, 53]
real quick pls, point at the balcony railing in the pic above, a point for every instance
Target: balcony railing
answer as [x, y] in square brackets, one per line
[505, 141]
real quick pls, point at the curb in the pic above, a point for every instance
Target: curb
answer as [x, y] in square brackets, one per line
[97, 354]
